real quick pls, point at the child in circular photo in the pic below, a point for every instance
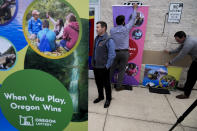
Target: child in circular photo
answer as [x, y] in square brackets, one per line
[137, 34]
[7, 10]
[131, 69]
[51, 31]
[7, 54]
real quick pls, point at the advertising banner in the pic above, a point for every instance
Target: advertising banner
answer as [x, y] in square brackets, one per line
[160, 76]
[136, 40]
[43, 65]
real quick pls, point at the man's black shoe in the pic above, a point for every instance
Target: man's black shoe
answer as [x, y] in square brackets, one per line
[107, 103]
[97, 100]
[119, 88]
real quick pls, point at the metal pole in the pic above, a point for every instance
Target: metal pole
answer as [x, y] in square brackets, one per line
[181, 118]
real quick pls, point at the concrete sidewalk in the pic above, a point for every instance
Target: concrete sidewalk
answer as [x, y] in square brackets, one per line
[139, 110]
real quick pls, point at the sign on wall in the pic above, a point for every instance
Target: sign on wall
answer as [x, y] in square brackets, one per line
[175, 11]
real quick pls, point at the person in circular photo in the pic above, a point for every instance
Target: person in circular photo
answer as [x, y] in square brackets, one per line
[168, 82]
[139, 19]
[137, 34]
[7, 54]
[52, 27]
[131, 69]
[7, 10]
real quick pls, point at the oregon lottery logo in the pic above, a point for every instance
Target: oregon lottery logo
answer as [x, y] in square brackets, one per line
[30, 121]
[26, 120]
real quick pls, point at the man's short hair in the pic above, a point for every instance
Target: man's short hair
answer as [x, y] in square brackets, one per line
[45, 24]
[180, 34]
[120, 19]
[103, 24]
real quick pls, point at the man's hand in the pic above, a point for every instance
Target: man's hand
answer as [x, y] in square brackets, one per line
[32, 37]
[166, 64]
[135, 6]
[166, 51]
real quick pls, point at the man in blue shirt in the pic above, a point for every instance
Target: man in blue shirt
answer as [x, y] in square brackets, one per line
[120, 34]
[103, 56]
[34, 25]
[50, 35]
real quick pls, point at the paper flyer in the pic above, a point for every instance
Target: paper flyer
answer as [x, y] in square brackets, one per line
[44, 65]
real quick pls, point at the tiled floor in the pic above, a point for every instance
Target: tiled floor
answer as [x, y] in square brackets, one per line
[139, 110]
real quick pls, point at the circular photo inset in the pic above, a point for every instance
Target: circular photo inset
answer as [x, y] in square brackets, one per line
[52, 28]
[137, 34]
[8, 10]
[139, 19]
[131, 69]
[7, 54]
[133, 49]
[168, 82]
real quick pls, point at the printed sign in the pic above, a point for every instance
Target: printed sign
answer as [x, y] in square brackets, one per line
[30, 102]
[136, 40]
[175, 12]
[43, 65]
[160, 76]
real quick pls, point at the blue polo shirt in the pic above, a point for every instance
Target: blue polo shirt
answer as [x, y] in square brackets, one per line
[50, 35]
[34, 26]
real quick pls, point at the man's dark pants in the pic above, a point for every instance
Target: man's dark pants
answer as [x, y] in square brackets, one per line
[102, 79]
[191, 78]
[120, 63]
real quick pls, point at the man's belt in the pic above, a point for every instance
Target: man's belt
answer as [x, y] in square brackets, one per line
[121, 50]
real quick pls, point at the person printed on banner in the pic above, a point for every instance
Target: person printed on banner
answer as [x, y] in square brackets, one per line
[46, 38]
[34, 25]
[139, 19]
[5, 10]
[71, 32]
[164, 83]
[120, 35]
[131, 70]
[137, 34]
[188, 46]
[172, 83]
[9, 61]
[58, 26]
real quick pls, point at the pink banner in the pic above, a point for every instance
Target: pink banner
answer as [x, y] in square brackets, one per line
[136, 42]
